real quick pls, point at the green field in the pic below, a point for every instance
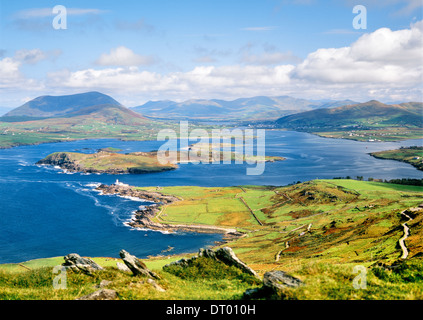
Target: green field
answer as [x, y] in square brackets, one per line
[330, 226]
[412, 155]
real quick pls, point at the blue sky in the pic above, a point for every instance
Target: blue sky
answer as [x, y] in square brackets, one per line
[154, 50]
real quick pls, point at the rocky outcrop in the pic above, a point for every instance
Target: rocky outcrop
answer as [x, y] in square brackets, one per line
[136, 265]
[63, 160]
[274, 282]
[225, 255]
[129, 191]
[75, 262]
[228, 257]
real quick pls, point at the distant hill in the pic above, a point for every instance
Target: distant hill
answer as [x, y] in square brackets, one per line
[370, 114]
[255, 108]
[93, 104]
[59, 106]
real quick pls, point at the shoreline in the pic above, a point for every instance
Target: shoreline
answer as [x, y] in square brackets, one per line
[143, 217]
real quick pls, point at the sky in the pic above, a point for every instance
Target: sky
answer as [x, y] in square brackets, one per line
[136, 51]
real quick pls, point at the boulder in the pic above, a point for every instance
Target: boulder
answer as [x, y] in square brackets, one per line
[155, 285]
[273, 284]
[136, 265]
[278, 280]
[227, 256]
[75, 262]
[102, 294]
[122, 267]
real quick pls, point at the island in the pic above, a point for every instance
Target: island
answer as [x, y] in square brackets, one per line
[109, 160]
[412, 155]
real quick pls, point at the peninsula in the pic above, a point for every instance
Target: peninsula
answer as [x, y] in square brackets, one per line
[412, 155]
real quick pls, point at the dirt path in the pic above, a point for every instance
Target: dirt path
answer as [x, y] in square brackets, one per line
[406, 234]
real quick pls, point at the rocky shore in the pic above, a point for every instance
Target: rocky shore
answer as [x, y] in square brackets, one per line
[143, 216]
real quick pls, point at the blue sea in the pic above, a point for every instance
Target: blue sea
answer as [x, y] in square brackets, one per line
[46, 213]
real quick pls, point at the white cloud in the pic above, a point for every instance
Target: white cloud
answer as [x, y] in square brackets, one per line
[12, 78]
[201, 81]
[122, 56]
[384, 56]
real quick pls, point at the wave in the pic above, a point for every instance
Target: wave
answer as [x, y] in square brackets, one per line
[146, 229]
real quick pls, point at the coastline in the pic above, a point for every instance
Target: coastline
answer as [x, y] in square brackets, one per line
[143, 217]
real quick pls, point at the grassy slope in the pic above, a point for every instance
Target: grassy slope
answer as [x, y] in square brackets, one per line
[352, 223]
[106, 123]
[372, 120]
[412, 156]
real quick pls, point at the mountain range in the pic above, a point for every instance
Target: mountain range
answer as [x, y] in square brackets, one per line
[284, 111]
[244, 109]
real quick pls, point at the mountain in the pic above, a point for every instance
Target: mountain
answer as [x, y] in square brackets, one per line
[59, 106]
[93, 104]
[255, 108]
[370, 114]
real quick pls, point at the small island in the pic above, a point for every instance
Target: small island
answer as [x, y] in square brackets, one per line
[108, 160]
[412, 155]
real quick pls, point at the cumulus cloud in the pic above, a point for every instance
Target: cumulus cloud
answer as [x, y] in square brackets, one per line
[201, 81]
[383, 56]
[122, 56]
[13, 79]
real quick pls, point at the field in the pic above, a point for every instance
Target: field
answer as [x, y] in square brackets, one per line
[318, 231]
[412, 155]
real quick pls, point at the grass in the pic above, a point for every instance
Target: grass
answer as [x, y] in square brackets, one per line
[330, 227]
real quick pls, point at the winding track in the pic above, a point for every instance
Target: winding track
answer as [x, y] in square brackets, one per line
[406, 234]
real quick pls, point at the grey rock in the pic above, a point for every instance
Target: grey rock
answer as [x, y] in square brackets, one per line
[273, 283]
[155, 285]
[75, 262]
[278, 280]
[227, 256]
[102, 294]
[136, 265]
[122, 267]
[207, 253]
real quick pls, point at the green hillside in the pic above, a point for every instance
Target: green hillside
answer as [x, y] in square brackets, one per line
[317, 231]
[372, 120]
